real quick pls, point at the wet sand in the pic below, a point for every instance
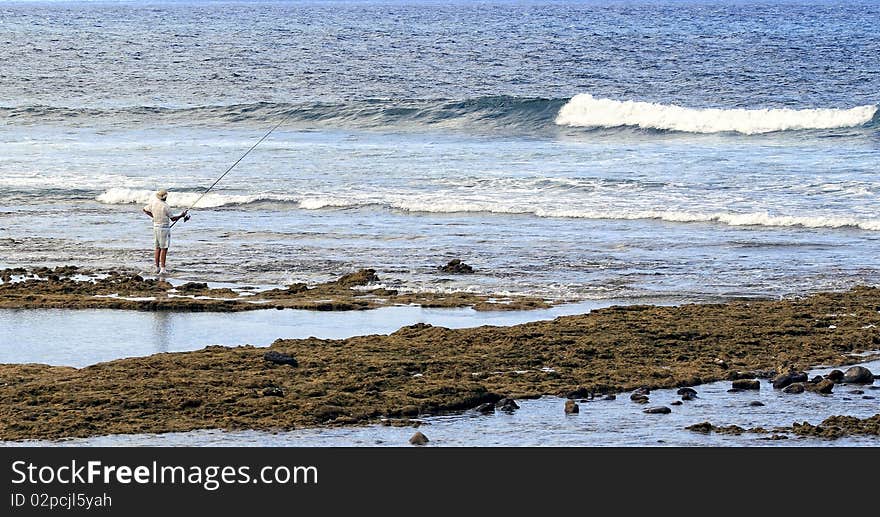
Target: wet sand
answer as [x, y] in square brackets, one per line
[423, 370]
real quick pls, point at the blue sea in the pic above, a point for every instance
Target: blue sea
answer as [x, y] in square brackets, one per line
[683, 150]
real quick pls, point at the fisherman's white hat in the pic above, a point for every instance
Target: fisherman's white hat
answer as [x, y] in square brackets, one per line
[162, 194]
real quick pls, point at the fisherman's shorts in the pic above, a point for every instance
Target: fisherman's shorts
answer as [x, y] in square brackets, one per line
[162, 235]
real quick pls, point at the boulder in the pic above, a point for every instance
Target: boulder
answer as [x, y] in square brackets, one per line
[279, 358]
[824, 386]
[684, 391]
[785, 379]
[571, 407]
[797, 387]
[676, 403]
[609, 397]
[835, 376]
[689, 395]
[457, 267]
[507, 404]
[639, 399]
[486, 408]
[747, 384]
[816, 379]
[858, 375]
[418, 439]
[756, 403]
[657, 410]
[642, 391]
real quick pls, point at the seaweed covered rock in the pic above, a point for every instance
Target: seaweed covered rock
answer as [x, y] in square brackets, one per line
[457, 267]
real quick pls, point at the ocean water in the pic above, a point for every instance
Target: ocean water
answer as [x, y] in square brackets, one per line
[579, 150]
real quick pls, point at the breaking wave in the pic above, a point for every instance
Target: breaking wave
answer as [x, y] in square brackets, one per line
[443, 204]
[584, 110]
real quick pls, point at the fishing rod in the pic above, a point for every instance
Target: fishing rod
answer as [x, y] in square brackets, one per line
[233, 165]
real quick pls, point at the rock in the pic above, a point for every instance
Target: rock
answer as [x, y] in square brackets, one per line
[418, 439]
[721, 363]
[867, 397]
[816, 379]
[657, 410]
[362, 277]
[835, 376]
[683, 391]
[756, 403]
[580, 393]
[689, 395]
[857, 392]
[192, 286]
[486, 408]
[273, 391]
[676, 403]
[702, 427]
[785, 379]
[457, 267]
[747, 384]
[642, 391]
[824, 386]
[279, 358]
[858, 375]
[639, 399]
[571, 407]
[609, 397]
[794, 388]
[735, 390]
[507, 404]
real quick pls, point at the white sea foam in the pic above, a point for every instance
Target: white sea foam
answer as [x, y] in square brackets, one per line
[121, 196]
[584, 110]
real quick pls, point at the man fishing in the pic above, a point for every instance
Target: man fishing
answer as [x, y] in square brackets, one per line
[162, 218]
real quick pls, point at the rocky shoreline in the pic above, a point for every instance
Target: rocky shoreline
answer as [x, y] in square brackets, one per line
[70, 287]
[422, 370]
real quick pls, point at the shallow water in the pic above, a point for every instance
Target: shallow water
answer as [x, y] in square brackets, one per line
[541, 422]
[82, 337]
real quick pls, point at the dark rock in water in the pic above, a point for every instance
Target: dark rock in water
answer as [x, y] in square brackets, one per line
[785, 379]
[657, 410]
[273, 391]
[507, 404]
[580, 393]
[756, 403]
[858, 375]
[689, 395]
[418, 439]
[797, 387]
[816, 379]
[702, 427]
[609, 397]
[457, 267]
[824, 386]
[868, 397]
[735, 390]
[193, 286]
[747, 384]
[486, 408]
[642, 391]
[362, 277]
[639, 399]
[683, 391]
[737, 375]
[676, 403]
[835, 376]
[857, 392]
[279, 358]
[571, 407]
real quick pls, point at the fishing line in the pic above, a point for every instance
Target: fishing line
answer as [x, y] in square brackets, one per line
[234, 164]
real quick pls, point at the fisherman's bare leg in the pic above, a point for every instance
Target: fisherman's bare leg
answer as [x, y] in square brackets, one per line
[163, 253]
[157, 255]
